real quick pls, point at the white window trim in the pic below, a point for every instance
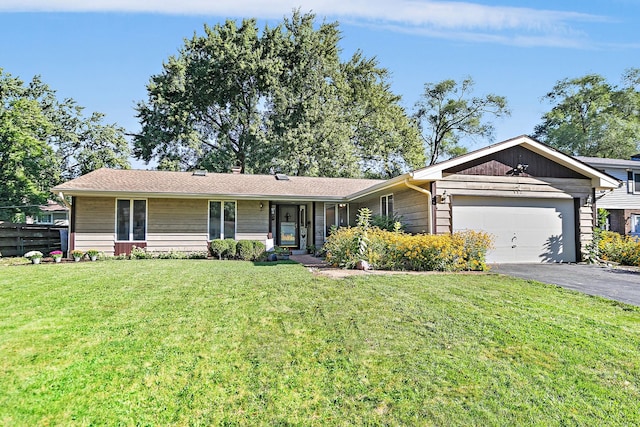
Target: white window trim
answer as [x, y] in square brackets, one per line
[635, 189]
[146, 219]
[337, 207]
[634, 230]
[385, 197]
[235, 219]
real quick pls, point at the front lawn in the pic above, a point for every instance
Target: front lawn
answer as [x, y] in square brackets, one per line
[201, 342]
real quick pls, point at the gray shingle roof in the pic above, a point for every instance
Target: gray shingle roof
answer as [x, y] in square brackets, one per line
[178, 184]
[605, 162]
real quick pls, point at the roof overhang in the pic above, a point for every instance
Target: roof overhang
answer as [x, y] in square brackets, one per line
[160, 195]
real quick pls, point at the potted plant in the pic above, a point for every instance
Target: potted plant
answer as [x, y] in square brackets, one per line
[311, 249]
[34, 256]
[77, 254]
[56, 255]
[282, 253]
[92, 254]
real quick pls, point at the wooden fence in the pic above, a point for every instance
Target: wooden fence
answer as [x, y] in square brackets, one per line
[17, 239]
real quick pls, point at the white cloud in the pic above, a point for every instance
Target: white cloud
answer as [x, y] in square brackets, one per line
[446, 19]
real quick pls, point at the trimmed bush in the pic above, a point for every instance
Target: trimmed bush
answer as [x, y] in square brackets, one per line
[218, 248]
[244, 250]
[259, 250]
[230, 252]
[250, 250]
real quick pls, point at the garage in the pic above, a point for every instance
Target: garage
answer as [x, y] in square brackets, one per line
[525, 230]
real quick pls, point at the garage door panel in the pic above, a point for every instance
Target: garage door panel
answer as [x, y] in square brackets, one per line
[524, 230]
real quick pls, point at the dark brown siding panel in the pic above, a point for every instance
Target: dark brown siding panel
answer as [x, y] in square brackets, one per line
[502, 162]
[124, 248]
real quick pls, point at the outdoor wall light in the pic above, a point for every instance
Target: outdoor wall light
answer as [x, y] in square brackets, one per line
[444, 198]
[261, 206]
[519, 169]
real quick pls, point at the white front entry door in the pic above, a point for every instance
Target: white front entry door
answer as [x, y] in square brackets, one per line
[524, 230]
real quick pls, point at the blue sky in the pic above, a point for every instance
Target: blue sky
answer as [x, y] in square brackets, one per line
[102, 52]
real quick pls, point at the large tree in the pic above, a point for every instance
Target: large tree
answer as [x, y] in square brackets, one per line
[447, 112]
[276, 100]
[44, 141]
[591, 117]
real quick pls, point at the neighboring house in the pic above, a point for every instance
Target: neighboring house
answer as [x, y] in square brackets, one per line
[52, 213]
[623, 203]
[535, 201]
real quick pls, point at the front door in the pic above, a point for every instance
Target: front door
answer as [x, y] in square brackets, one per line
[287, 226]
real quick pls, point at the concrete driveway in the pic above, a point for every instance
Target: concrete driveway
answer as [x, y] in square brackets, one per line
[620, 284]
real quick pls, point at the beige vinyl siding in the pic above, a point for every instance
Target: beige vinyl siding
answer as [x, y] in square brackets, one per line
[252, 223]
[410, 204]
[95, 223]
[177, 224]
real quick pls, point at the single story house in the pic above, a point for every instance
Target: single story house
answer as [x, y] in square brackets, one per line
[623, 203]
[538, 203]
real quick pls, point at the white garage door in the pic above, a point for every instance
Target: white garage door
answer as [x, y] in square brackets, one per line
[524, 230]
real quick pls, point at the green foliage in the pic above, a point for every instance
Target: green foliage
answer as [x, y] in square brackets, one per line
[389, 223]
[218, 247]
[399, 251]
[92, 252]
[591, 117]
[250, 250]
[140, 253]
[223, 248]
[276, 100]
[44, 141]
[446, 113]
[621, 249]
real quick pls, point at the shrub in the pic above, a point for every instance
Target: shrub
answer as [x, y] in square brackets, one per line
[223, 249]
[172, 254]
[218, 247]
[400, 251]
[259, 250]
[230, 252]
[250, 250]
[388, 223]
[140, 253]
[244, 250]
[197, 255]
[617, 248]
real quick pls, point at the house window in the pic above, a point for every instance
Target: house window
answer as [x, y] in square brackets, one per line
[635, 224]
[636, 183]
[45, 219]
[131, 220]
[386, 205]
[335, 215]
[222, 220]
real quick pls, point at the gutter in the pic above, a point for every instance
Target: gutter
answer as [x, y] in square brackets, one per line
[429, 208]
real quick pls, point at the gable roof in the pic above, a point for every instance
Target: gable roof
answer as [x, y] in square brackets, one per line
[598, 179]
[143, 183]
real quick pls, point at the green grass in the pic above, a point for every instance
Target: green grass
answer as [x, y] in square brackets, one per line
[196, 342]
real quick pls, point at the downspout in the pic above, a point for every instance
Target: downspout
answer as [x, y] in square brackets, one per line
[429, 208]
